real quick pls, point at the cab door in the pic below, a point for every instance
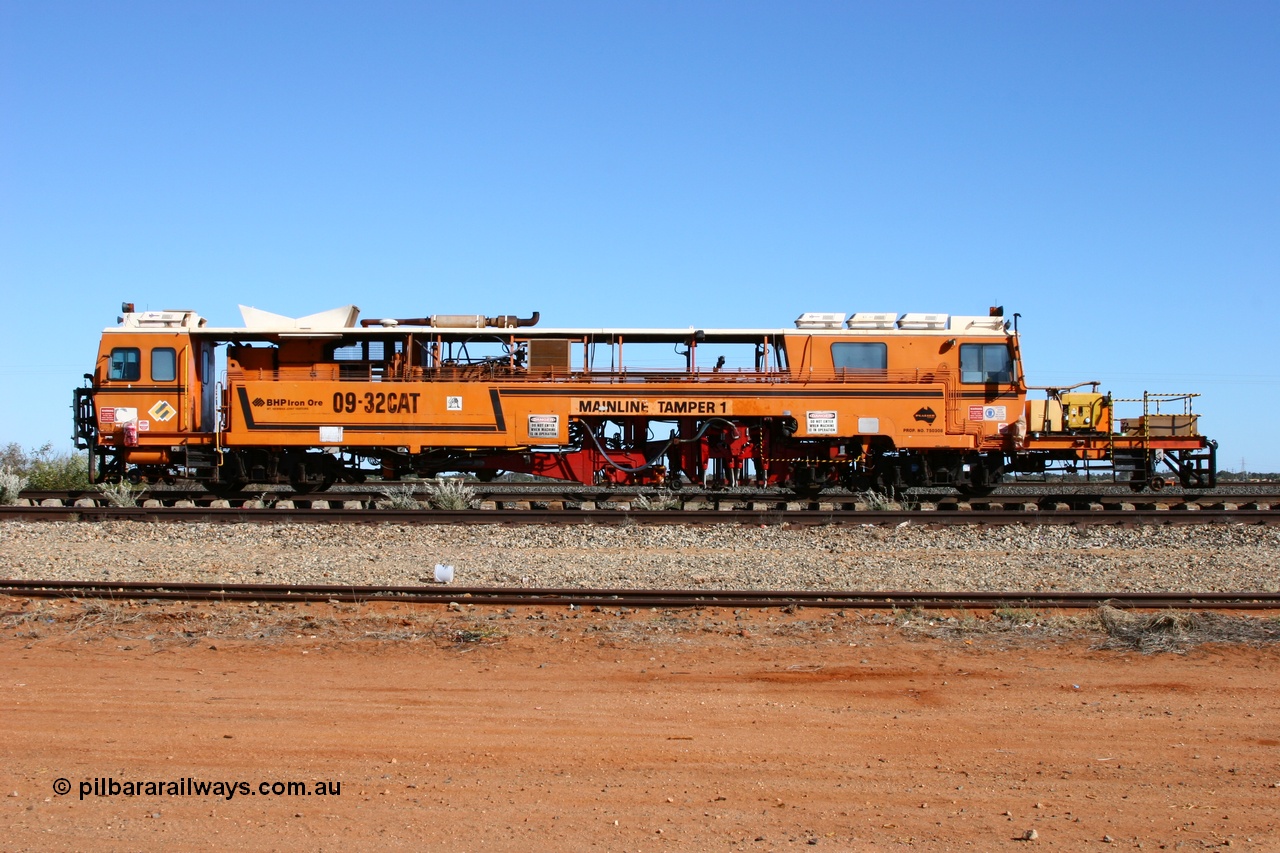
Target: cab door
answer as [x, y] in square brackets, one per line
[167, 365]
[205, 371]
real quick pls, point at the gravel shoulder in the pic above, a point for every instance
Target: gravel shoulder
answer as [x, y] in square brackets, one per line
[1223, 558]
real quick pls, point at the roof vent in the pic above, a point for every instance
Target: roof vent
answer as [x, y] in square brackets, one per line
[819, 320]
[928, 322]
[977, 324]
[162, 319]
[867, 320]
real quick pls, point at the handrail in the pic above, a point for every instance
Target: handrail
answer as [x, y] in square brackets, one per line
[371, 372]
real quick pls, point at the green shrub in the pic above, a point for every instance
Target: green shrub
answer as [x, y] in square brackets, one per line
[45, 469]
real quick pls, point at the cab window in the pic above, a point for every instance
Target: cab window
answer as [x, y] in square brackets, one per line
[860, 356]
[126, 364]
[987, 363]
[164, 364]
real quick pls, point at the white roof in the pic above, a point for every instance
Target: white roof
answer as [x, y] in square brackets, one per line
[342, 322]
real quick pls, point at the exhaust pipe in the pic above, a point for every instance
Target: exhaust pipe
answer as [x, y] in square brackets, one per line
[510, 321]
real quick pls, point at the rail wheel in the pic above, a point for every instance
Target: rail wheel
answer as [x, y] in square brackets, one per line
[226, 487]
[312, 472]
[808, 481]
[303, 487]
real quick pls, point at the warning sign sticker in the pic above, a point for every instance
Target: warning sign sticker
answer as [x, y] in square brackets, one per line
[162, 411]
[821, 423]
[988, 413]
[544, 426]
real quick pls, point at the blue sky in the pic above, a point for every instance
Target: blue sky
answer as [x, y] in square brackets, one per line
[1111, 171]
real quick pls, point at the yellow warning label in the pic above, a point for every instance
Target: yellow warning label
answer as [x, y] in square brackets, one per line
[162, 411]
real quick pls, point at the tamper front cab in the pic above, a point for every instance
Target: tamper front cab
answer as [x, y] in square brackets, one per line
[150, 404]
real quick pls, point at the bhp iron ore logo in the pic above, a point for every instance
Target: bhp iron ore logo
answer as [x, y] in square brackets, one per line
[284, 403]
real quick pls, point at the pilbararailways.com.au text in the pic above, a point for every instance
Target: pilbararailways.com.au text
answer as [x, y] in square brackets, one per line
[189, 787]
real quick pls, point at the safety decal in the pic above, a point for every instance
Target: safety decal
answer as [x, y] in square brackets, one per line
[162, 411]
[988, 413]
[821, 423]
[544, 426]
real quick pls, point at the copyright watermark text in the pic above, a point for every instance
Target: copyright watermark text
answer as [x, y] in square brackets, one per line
[190, 787]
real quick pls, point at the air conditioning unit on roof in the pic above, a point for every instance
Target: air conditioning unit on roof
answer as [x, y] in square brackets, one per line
[818, 320]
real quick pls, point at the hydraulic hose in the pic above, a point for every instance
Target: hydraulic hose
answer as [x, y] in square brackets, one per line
[663, 452]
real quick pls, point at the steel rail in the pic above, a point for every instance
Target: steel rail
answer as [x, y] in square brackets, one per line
[518, 492]
[635, 598]
[795, 518]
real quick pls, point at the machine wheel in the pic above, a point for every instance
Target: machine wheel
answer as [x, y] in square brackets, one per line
[303, 488]
[298, 474]
[226, 487]
[807, 482]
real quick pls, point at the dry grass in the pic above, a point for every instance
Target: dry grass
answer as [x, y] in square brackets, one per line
[451, 494]
[399, 496]
[159, 622]
[662, 500]
[1179, 630]
[877, 501]
[11, 485]
[122, 493]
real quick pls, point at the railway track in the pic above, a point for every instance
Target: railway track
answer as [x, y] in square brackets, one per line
[538, 504]
[1127, 515]
[635, 598]
[517, 495]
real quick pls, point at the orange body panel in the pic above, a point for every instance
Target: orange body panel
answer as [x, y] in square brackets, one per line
[913, 407]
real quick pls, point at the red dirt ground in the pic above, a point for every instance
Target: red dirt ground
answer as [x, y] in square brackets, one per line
[601, 731]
